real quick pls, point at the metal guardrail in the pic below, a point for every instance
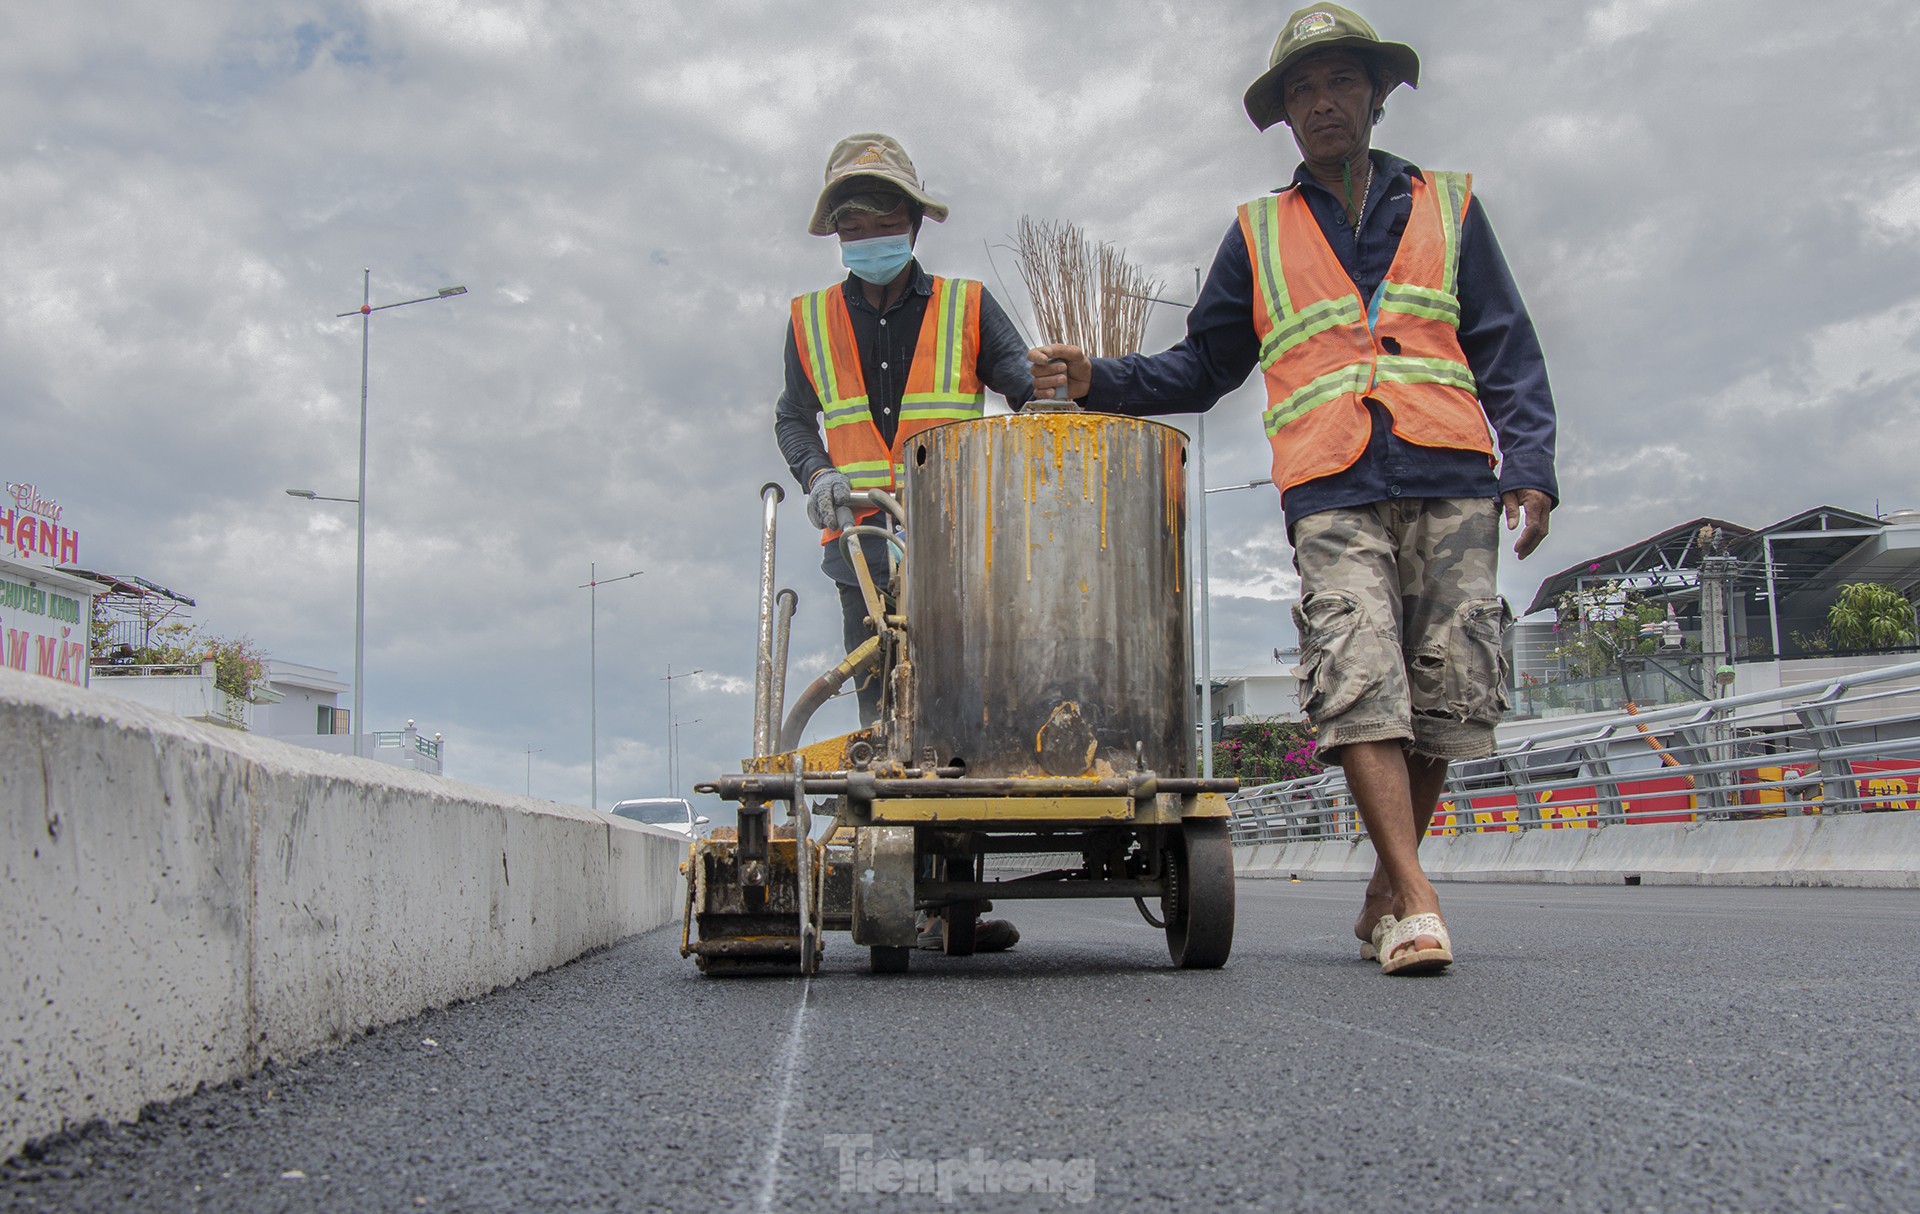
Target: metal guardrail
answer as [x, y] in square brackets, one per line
[397, 739]
[1651, 687]
[115, 670]
[1846, 745]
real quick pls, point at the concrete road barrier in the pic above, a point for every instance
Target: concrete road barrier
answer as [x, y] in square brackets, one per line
[181, 903]
[1872, 850]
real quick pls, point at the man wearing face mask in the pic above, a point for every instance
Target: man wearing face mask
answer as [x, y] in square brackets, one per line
[1374, 299]
[876, 359]
[881, 356]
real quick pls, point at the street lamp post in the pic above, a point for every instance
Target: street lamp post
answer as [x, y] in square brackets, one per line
[365, 311]
[673, 762]
[1206, 561]
[1199, 547]
[532, 751]
[311, 496]
[1206, 596]
[591, 586]
[674, 779]
[353, 722]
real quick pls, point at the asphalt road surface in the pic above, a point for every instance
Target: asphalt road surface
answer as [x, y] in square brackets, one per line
[1649, 1048]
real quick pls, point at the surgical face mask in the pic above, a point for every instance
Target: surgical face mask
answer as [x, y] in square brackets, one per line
[878, 260]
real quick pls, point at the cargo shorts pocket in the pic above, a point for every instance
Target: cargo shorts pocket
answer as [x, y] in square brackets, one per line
[1333, 674]
[1477, 669]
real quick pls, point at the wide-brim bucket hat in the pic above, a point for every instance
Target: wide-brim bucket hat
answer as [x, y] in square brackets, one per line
[1325, 27]
[874, 157]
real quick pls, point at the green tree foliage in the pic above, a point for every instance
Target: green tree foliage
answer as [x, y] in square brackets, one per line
[1267, 750]
[1818, 641]
[1600, 625]
[238, 666]
[1870, 615]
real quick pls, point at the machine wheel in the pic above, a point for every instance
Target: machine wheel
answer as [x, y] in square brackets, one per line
[890, 959]
[1198, 907]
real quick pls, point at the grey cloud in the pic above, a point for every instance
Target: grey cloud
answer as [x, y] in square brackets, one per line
[1702, 202]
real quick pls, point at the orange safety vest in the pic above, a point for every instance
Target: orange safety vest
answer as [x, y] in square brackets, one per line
[943, 383]
[1324, 352]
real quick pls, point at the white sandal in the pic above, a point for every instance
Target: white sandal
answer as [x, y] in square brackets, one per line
[1397, 958]
[1370, 949]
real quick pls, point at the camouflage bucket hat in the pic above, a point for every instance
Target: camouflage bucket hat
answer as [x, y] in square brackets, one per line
[1326, 27]
[869, 164]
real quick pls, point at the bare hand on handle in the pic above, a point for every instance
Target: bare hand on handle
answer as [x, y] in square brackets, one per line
[1058, 365]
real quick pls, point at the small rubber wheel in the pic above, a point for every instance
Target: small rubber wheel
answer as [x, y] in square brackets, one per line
[1199, 906]
[889, 959]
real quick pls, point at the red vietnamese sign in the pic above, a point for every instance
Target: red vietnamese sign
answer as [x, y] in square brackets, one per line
[30, 527]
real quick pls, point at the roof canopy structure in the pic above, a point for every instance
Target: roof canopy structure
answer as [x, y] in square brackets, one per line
[133, 607]
[129, 586]
[1669, 560]
[1782, 576]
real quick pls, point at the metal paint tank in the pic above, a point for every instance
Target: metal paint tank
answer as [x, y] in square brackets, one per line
[1046, 595]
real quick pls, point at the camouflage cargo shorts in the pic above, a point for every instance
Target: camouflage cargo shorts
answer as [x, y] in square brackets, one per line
[1400, 627]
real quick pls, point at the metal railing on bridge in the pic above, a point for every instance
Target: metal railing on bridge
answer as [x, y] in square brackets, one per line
[400, 739]
[1848, 745]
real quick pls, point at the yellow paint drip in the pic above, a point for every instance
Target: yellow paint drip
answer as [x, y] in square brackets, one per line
[987, 510]
[1027, 534]
[1103, 514]
[1040, 439]
[1174, 485]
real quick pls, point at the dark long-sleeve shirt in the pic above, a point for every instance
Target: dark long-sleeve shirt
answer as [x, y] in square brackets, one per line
[1221, 349]
[886, 341]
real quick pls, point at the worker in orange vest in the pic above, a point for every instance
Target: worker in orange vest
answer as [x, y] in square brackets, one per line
[874, 360]
[1395, 347]
[879, 357]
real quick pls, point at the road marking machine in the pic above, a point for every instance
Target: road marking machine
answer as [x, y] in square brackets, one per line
[1036, 672]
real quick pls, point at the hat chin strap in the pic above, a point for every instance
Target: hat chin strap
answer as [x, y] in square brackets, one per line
[1346, 165]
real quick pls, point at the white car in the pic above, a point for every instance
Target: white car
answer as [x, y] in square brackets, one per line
[669, 813]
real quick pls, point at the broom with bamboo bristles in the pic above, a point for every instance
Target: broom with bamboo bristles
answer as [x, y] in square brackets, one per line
[1083, 294]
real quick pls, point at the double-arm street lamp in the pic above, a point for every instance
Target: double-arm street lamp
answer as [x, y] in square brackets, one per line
[365, 312]
[592, 586]
[673, 736]
[673, 777]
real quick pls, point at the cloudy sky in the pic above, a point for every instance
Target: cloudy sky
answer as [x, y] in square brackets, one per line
[1713, 209]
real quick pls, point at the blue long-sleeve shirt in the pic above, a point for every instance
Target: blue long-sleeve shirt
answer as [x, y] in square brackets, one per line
[1221, 349]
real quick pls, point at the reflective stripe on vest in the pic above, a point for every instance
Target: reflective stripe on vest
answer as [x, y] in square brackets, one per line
[950, 389]
[827, 351]
[943, 381]
[1322, 351]
[869, 474]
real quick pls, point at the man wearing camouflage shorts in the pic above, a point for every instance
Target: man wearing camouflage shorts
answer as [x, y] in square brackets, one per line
[1401, 626]
[1374, 298]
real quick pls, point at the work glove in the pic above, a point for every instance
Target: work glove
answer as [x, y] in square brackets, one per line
[831, 494]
